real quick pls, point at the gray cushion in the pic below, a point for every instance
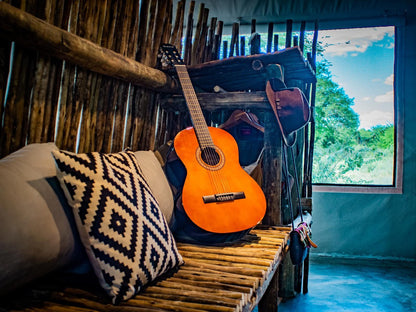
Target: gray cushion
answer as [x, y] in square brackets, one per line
[35, 233]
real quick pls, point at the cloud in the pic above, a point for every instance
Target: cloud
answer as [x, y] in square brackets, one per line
[385, 98]
[389, 80]
[374, 118]
[352, 41]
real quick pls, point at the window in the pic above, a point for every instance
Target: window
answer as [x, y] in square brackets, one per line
[356, 116]
[358, 141]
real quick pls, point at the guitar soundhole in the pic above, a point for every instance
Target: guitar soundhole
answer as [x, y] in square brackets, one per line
[210, 156]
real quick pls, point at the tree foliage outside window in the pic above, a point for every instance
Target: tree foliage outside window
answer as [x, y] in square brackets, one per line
[345, 153]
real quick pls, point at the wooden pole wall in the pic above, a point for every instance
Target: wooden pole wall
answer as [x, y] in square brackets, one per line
[81, 110]
[44, 99]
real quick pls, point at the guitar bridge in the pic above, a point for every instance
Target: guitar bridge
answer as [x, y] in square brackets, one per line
[223, 197]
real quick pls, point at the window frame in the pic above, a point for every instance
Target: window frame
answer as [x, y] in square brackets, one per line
[398, 107]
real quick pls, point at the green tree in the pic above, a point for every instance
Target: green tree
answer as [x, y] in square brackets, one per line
[345, 154]
[336, 131]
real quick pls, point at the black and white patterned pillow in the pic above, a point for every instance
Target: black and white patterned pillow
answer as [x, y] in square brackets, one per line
[121, 226]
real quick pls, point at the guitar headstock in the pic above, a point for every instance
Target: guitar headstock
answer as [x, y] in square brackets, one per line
[169, 55]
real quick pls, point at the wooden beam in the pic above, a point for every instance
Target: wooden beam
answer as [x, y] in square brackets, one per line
[32, 32]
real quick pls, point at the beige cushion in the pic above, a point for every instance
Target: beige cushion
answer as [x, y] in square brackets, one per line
[35, 234]
[158, 183]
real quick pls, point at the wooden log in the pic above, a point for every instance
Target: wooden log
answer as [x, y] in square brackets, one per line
[269, 302]
[5, 50]
[196, 299]
[133, 31]
[176, 38]
[251, 280]
[119, 118]
[129, 120]
[177, 305]
[215, 278]
[232, 251]
[188, 34]
[141, 36]
[214, 256]
[38, 100]
[269, 37]
[234, 40]
[295, 41]
[195, 294]
[57, 15]
[65, 116]
[35, 33]
[102, 109]
[235, 270]
[136, 119]
[302, 35]
[203, 42]
[148, 140]
[224, 49]
[272, 176]
[276, 43]
[242, 45]
[212, 286]
[161, 17]
[56, 307]
[15, 121]
[289, 26]
[118, 113]
[211, 40]
[95, 305]
[218, 40]
[196, 45]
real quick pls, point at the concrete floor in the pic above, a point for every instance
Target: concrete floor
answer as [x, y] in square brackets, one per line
[357, 285]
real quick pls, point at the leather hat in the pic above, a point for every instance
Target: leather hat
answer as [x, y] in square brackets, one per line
[291, 109]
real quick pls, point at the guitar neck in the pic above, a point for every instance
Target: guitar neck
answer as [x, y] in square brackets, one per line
[197, 117]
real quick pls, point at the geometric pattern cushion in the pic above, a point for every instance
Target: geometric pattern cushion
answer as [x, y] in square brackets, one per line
[124, 232]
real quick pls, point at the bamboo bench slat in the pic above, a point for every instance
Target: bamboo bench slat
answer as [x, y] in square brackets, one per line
[225, 278]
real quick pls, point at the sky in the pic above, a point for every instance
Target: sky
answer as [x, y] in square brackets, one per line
[362, 64]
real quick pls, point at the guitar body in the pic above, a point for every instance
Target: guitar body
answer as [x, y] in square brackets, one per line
[218, 196]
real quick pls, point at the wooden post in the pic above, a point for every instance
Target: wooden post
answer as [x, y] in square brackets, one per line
[269, 38]
[272, 176]
[289, 23]
[270, 300]
[243, 46]
[276, 43]
[218, 40]
[176, 38]
[188, 35]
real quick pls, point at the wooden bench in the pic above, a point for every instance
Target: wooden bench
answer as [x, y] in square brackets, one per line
[228, 278]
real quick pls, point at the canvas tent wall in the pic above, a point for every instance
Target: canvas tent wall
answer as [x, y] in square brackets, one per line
[355, 224]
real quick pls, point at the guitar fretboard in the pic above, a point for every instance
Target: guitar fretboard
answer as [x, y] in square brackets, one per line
[198, 120]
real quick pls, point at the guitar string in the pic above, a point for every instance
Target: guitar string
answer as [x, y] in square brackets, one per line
[184, 79]
[194, 113]
[220, 184]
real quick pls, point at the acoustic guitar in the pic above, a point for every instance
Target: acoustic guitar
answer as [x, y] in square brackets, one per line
[217, 195]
